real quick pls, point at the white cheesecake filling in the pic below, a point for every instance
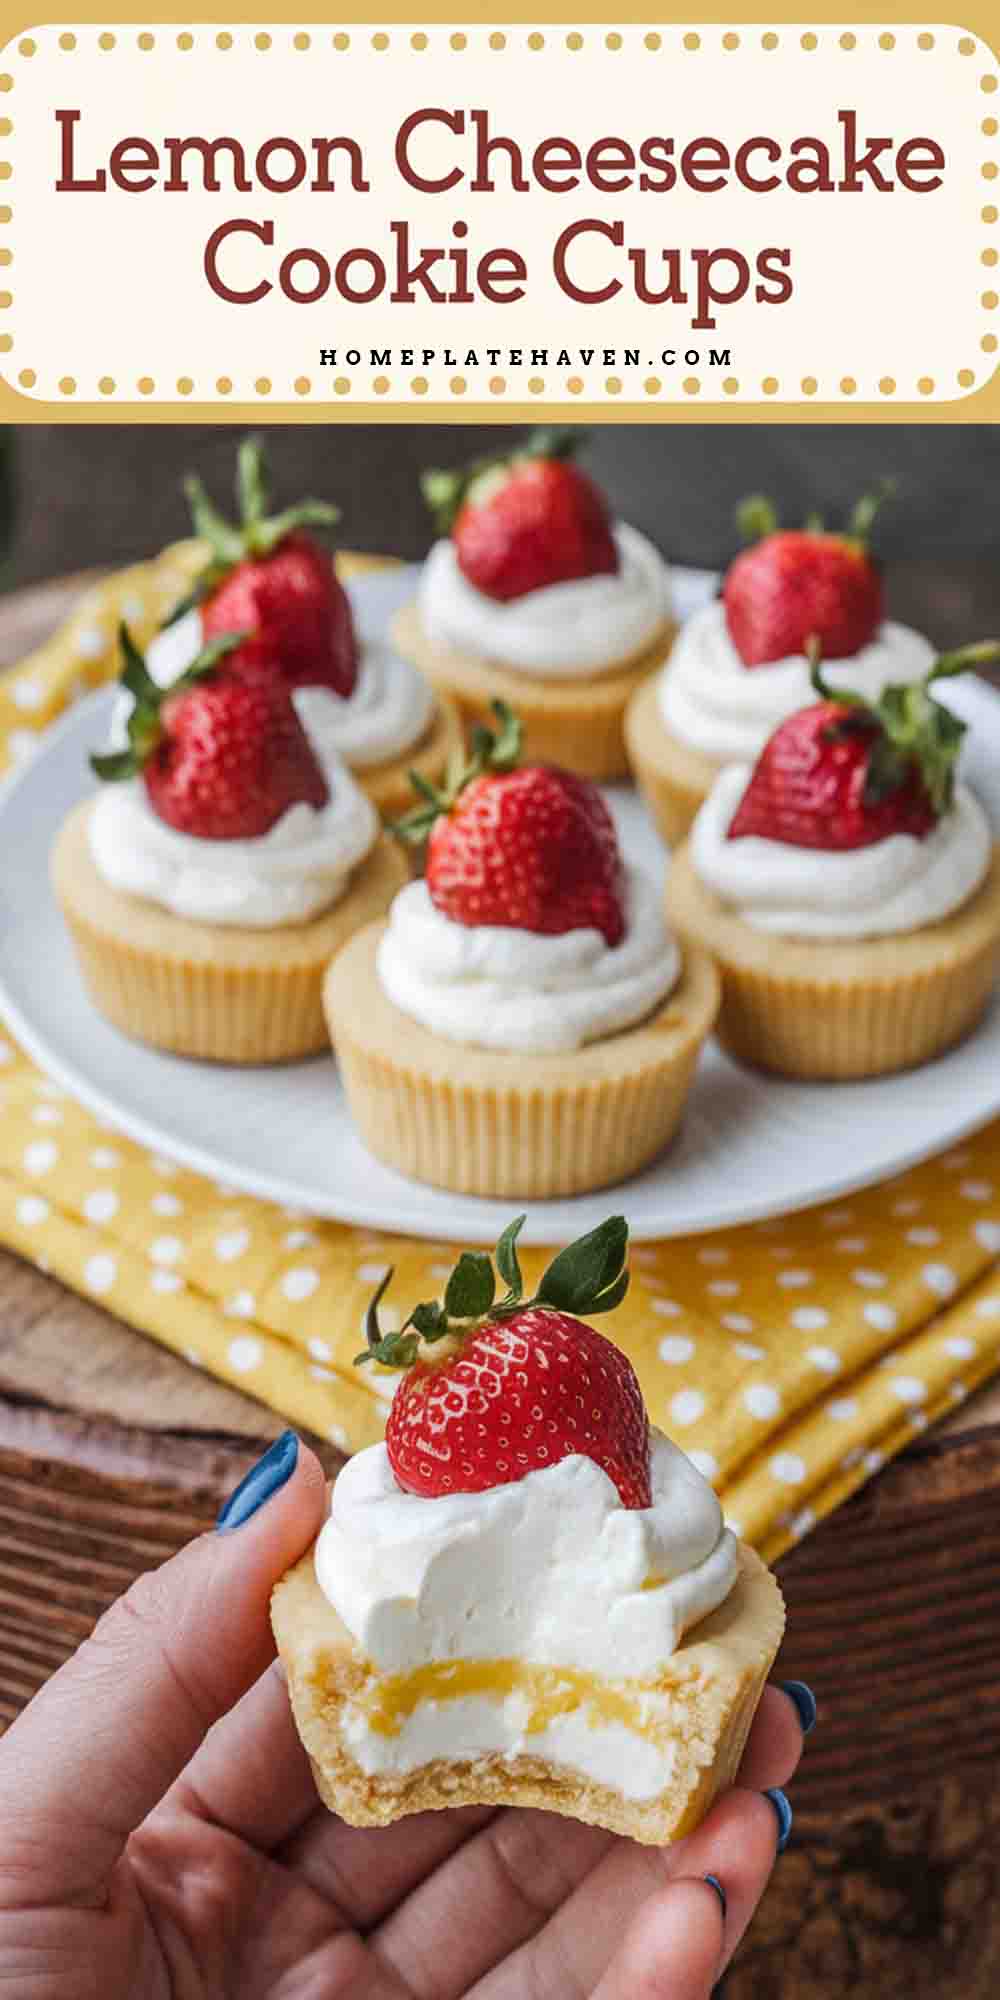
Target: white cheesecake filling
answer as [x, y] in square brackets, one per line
[715, 704]
[564, 631]
[898, 884]
[385, 715]
[551, 1571]
[474, 1726]
[300, 867]
[494, 987]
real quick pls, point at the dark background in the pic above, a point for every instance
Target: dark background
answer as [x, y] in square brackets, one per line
[106, 494]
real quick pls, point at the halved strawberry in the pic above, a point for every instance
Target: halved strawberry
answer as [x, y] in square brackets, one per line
[526, 846]
[223, 756]
[272, 581]
[524, 519]
[796, 584]
[847, 772]
[518, 1384]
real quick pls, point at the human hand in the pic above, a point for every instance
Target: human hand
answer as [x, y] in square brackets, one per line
[161, 1838]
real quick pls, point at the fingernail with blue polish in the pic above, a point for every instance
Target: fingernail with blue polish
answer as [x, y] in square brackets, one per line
[714, 1883]
[804, 1700]
[784, 1814]
[262, 1480]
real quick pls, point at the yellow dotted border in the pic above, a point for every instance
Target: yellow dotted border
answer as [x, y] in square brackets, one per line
[456, 40]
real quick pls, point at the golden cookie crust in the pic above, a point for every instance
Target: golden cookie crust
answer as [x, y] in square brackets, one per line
[489, 1122]
[212, 991]
[578, 723]
[849, 1008]
[674, 779]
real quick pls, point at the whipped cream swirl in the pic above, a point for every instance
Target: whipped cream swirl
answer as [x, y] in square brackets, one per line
[300, 867]
[552, 1569]
[714, 703]
[504, 988]
[587, 627]
[388, 711]
[897, 884]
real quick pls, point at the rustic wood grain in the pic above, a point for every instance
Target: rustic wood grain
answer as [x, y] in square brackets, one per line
[113, 1453]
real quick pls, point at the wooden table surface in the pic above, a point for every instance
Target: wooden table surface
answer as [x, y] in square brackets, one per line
[113, 1453]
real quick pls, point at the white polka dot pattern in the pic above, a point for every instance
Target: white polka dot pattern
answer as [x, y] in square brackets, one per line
[759, 1348]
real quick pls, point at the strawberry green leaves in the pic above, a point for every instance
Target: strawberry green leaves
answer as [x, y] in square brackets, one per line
[471, 1289]
[144, 725]
[589, 1277]
[256, 533]
[492, 750]
[445, 492]
[757, 516]
[908, 727]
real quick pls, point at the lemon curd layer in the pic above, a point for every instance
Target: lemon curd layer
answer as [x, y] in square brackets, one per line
[544, 1693]
[614, 1733]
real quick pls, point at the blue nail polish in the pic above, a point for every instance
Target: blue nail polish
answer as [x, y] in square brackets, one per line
[714, 1883]
[263, 1479]
[784, 1815]
[804, 1700]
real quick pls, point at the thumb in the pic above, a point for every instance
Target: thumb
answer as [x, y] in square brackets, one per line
[99, 1745]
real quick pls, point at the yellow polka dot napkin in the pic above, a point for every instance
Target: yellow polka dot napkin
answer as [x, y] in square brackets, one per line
[790, 1358]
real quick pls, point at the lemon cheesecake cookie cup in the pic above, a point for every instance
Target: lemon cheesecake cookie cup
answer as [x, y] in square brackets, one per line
[220, 866]
[268, 577]
[523, 1023]
[847, 887]
[502, 1122]
[526, 1595]
[533, 596]
[739, 666]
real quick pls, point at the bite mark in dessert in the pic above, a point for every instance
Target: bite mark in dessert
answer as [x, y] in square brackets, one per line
[525, 1596]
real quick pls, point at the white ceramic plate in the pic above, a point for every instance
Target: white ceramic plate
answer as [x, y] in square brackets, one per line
[750, 1146]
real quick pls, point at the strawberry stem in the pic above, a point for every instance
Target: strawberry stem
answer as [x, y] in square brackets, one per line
[492, 750]
[910, 729]
[862, 520]
[756, 517]
[145, 727]
[257, 534]
[446, 491]
[590, 1276]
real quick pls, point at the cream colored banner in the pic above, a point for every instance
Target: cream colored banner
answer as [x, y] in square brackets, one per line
[355, 216]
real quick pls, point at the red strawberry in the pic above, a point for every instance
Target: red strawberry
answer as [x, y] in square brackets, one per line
[524, 520]
[795, 585]
[531, 847]
[846, 773]
[222, 756]
[272, 581]
[520, 1383]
